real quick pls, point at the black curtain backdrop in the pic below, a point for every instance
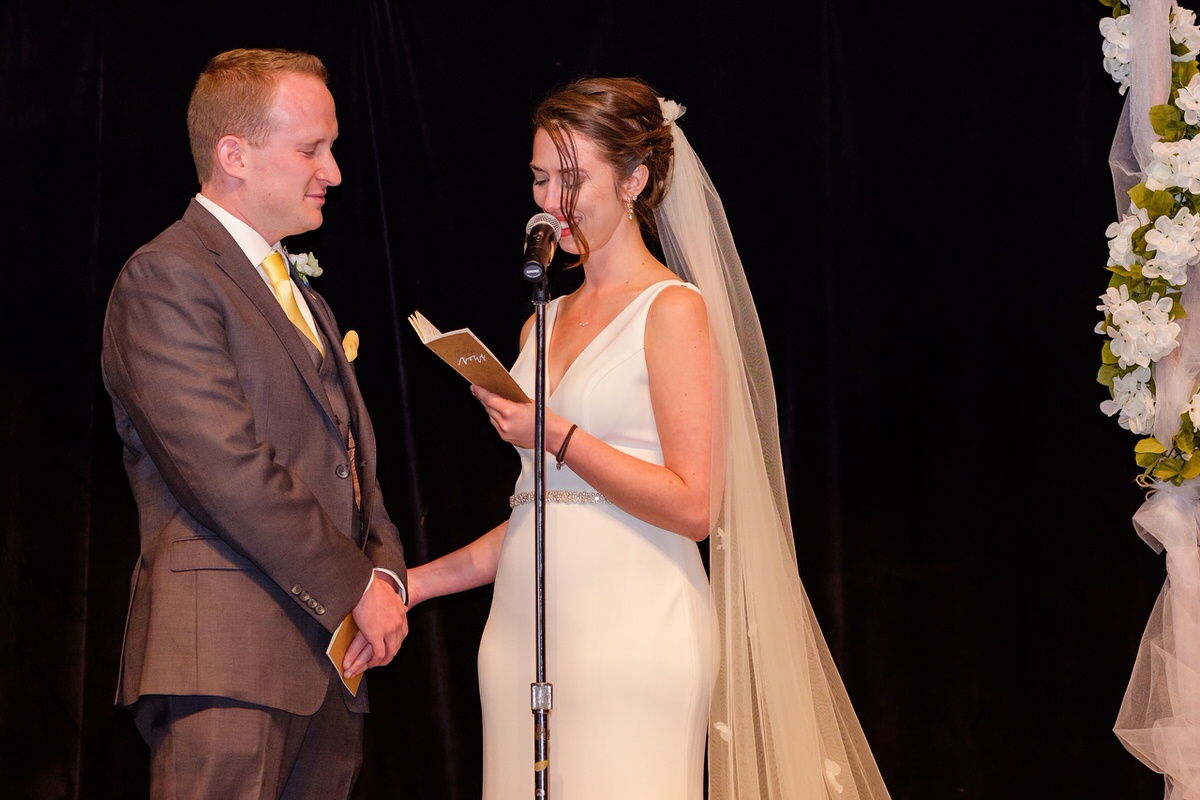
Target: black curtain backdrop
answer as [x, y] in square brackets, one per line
[920, 194]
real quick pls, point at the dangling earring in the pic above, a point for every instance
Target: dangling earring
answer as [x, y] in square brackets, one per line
[629, 206]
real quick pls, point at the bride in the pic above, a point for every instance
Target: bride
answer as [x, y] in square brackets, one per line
[660, 431]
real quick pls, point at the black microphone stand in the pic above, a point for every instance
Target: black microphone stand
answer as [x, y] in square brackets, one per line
[541, 692]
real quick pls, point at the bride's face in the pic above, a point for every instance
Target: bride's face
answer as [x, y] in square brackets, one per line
[598, 208]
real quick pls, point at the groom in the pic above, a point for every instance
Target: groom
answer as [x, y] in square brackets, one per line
[252, 460]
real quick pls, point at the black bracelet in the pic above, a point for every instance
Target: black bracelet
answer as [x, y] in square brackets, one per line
[562, 451]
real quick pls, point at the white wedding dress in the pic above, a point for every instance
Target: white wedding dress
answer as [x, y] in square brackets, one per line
[629, 643]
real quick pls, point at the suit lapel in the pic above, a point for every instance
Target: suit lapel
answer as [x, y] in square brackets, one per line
[233, 262]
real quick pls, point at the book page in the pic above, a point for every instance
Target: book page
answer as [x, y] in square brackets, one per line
[423, 327]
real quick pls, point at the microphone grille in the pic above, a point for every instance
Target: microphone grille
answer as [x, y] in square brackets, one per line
[545, 219]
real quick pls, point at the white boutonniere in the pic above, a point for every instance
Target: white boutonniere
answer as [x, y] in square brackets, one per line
[306, 265]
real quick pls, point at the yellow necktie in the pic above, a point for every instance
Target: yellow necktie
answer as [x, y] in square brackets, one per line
[280, 279]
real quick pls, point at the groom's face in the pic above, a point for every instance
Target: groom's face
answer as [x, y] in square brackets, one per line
[288, 174]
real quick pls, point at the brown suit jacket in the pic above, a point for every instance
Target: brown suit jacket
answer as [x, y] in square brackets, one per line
[252, 548]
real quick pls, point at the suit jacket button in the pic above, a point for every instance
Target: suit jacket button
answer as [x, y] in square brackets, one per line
[342, 471]
[297, 589]
[320, 609]
[311, 603]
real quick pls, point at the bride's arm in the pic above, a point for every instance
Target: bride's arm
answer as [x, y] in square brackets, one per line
[465, 568]
[674, 496]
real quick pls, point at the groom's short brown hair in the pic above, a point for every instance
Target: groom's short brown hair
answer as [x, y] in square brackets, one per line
[234, 95]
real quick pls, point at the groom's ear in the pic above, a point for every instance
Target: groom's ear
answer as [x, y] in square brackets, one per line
[229, 161]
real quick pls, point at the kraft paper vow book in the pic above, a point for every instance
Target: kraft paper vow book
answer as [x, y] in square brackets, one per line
[336, 651]
[470, 357]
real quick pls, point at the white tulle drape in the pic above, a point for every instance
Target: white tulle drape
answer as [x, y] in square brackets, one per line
[1149, 86]
[781, 726]
[1159, 719]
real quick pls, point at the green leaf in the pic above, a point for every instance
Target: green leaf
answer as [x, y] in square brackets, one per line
[1167, 121]
[1191, 469]
[1168, 469]
[1185, 439]
[1121, 277]
[1146, 460]
[1181, 71]
[1137, 239]
[1158, 286]
[1157, 203]
[1138, 194]
[1107, 358]
[1149, 445]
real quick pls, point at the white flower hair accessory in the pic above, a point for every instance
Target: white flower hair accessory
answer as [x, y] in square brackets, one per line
[671, 110]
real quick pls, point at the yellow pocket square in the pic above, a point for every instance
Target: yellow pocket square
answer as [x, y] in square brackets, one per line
[350, 345]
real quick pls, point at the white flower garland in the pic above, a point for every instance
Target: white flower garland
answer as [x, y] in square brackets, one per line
[1150, 251]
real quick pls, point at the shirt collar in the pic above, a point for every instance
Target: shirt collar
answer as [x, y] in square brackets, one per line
[249, 240]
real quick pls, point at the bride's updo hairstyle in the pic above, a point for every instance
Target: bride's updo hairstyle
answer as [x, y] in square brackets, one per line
[622, 117]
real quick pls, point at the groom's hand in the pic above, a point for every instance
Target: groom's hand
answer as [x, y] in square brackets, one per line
[382, 620]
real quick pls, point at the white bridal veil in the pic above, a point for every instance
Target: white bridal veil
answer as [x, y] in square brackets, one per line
[781, 726]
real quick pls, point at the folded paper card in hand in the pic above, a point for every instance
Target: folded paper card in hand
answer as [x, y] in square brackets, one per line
[338, 645]
[462, 350]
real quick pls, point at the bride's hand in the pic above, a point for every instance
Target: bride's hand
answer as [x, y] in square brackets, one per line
[513, 421]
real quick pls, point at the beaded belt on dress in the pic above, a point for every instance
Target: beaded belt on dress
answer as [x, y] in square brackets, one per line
[560, 496]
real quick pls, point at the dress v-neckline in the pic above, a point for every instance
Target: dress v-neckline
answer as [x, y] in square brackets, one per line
[554, 322]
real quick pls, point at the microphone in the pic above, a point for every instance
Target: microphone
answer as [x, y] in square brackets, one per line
[541, 237]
